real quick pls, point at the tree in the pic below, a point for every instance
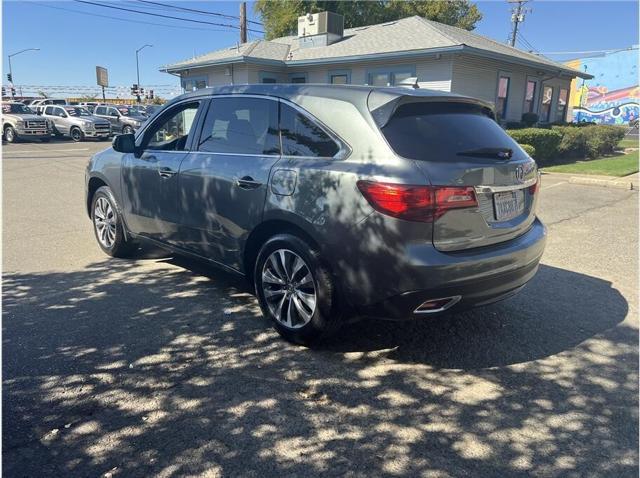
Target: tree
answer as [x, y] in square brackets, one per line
[280, 17]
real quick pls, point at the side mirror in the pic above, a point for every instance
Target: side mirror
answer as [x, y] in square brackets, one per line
[124, 143]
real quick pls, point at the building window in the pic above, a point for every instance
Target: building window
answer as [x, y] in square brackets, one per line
[267, 77]
[339, 79]
[298, 78]
[545, 110]
[391, 76]
[561, 107]
[503, 95]
[530, 97]
[192, 84]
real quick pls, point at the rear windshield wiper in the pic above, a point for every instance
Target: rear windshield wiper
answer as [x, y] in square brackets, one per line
[499, 153]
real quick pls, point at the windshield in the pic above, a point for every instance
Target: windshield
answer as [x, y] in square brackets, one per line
[77, 111]
[446, 131]
[16, 108]
[128, 111]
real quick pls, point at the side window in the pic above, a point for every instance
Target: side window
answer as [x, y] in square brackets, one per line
[113, 112]
[242, 126]
[100, 110]
[48, 110]
[301, 137]
[171, 131]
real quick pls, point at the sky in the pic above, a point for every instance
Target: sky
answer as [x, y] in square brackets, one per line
[73, 39]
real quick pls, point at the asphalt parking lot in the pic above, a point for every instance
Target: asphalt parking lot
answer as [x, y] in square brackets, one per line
[161, 367]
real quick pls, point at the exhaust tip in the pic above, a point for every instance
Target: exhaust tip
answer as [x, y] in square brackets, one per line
[432, 306]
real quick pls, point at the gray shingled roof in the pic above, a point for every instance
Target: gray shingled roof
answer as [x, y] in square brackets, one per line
[412, 34]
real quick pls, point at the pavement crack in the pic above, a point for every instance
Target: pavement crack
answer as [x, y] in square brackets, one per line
[594, 208]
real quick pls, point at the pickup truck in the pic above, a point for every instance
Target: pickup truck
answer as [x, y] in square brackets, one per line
[19, 122]
[75, 122]
[123, 119]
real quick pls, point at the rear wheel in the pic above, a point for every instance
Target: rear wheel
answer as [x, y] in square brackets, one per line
[10, 135]
[76, 134]
[108, 225]
[295, 290]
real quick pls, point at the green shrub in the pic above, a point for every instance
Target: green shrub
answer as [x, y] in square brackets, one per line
[529, 119]
[589, 141]
[544, 141]
[530, 150]
[573, 143]
[603, 139]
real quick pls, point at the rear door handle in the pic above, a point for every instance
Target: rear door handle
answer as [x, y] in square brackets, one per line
[166, 172]
[247, 182]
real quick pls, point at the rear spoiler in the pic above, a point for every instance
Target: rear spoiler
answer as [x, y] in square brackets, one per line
[383, 103]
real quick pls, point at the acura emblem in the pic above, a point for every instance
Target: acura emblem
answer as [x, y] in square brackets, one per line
[520, 174]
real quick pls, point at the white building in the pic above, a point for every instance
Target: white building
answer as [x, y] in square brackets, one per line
[442, 57]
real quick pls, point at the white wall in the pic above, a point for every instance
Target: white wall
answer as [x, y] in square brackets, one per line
[478, 77]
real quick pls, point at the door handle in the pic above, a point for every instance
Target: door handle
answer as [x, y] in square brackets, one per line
[166, 172]
[247, 182]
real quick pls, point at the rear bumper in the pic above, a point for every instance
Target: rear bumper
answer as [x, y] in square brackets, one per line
[474, 278]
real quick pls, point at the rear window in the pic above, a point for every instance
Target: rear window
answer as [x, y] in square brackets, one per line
[442, 131]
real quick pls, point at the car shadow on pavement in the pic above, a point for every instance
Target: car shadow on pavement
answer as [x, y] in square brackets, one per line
[164, 368]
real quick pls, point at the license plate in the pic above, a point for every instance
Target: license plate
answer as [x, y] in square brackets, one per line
[508, 204]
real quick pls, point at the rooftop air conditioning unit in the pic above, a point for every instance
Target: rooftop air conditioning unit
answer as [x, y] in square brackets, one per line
[328, 24]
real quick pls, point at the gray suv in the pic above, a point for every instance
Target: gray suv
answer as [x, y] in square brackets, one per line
[334, 201]
[123, 119]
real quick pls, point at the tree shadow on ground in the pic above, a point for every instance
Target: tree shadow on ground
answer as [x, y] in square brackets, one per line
[143, 368]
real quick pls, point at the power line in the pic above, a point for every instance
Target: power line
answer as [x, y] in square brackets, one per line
[193, 10]
[227, 25]
[128, 20]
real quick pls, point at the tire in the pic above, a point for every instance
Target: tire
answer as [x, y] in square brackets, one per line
[76, 134]
[127, 130]
[111, 238]
[297, 321]
[10, 135]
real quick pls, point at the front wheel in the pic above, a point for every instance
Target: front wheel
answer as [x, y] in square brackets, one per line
[10, 135]
[76, 134]
[295, 290]
[108, 225]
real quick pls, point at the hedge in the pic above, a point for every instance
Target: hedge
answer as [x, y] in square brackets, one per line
[530, 150]
[588, 142]
[544, 141]
[570, 141]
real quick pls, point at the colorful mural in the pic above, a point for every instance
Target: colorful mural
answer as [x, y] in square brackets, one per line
[613, 96]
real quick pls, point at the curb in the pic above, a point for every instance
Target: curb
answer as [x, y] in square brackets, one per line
[607, 183]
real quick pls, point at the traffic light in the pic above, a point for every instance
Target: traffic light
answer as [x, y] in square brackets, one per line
[150, 94]
[134, 89]
[9, 77]
[13, 91]
[142, 91]
[4, 92]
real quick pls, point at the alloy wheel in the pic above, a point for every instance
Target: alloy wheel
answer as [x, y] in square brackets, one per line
[9, 135]
[76, 135]
[288, 288]
[105, 222]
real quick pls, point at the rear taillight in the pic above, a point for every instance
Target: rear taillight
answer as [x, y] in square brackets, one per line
[416, 203]
[535, 187]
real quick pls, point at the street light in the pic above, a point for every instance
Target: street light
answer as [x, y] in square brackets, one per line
[138, 69]
[11, 72]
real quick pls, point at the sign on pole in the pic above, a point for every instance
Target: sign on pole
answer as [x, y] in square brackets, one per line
[102, 77]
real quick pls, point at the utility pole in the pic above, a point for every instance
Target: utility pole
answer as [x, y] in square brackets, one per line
[10, 75]
[243, 22]
[517, 17]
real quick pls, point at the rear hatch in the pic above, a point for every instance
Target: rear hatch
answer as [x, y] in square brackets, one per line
[457, 142]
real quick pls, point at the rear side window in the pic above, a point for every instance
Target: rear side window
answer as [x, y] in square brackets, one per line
[48, 110]
[445, 132]
[100, 110]
[241, 126]
[302, 137]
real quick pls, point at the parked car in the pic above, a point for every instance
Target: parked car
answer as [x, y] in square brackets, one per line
[123, 119]
[75, 122]
[19, 122]
[334, 201]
